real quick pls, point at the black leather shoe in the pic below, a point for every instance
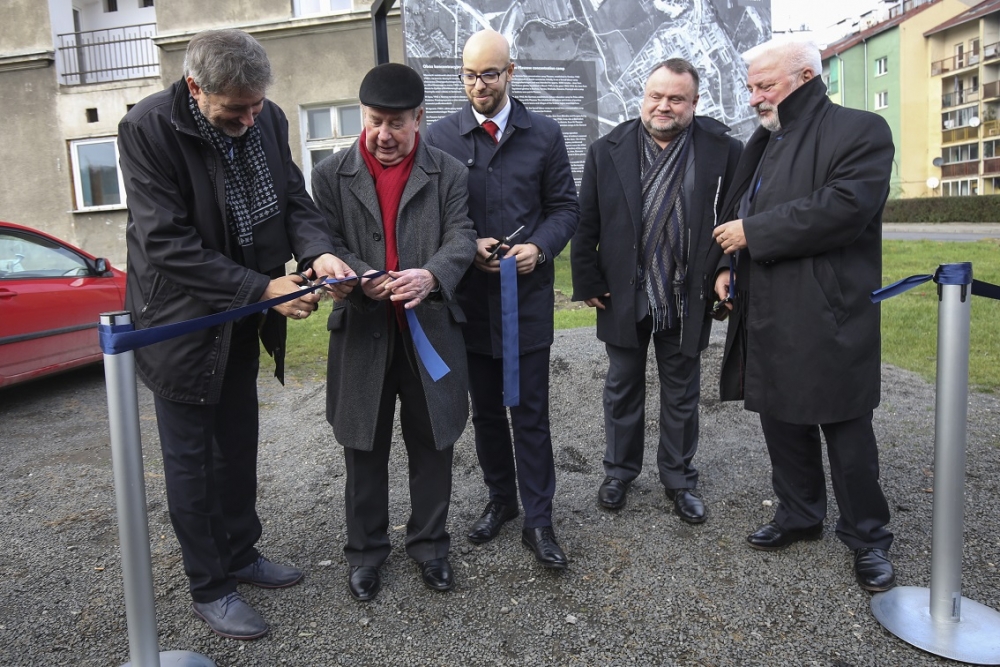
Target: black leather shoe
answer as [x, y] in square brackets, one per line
[873, 569]
[437, 574]
[266, 574]
[687, 506]
[543, 542]
[493, 518]
[364, 582]
[230, 616]
[771, 536]
[612, 493]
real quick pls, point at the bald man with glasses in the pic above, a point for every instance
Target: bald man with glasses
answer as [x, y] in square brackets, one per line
[519, 181]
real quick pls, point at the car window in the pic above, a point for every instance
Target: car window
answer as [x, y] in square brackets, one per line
[24, 256]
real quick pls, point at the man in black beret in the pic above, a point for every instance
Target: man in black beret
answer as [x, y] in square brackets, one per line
[398, 215]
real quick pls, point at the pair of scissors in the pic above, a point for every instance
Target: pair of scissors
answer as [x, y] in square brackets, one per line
[505, 240]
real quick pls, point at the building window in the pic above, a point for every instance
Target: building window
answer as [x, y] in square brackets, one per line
[963, 153]
[957, 118]
[146, 3]
[881, 66]
[990, 148]
[96, 178]
[326, 130]
[110, 5]
[964, 188]
[313, 7]
[882, 99]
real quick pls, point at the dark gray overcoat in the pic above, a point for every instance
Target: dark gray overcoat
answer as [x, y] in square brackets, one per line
[814, 234]
[433, 232]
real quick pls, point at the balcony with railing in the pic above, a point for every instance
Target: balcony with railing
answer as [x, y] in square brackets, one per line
[954, 63]
[955, 169]
[991, 51]
[958, 97]
[112, 54]
[959, 134]
[991, 89]
[991, 165]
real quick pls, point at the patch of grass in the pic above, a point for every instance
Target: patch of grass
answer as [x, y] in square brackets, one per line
[909, 321]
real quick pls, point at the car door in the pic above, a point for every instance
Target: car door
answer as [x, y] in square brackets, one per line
[50, 301]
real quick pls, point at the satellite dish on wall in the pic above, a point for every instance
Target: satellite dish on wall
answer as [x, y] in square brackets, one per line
[937, 162]
[974, 121]
[933, 182]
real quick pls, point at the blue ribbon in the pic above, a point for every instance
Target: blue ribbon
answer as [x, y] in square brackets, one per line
[509, 329]
[433, 362]
[947, 274]
[115, 339]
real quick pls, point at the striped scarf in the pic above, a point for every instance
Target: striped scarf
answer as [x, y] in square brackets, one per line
[250, 195]
[663, 247]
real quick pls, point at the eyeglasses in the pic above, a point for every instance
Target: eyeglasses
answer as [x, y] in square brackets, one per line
[469, 79]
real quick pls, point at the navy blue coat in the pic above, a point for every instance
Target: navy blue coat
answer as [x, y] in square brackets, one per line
[526, 179]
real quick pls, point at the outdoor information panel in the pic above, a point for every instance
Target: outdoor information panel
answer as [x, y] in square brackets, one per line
[585, 62]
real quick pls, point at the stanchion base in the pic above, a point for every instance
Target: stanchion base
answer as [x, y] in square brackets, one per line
[905, 612]
[181, 659]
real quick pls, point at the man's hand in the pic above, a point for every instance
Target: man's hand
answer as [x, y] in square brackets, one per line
[597, 301]
[411, 286]
[729, 235]
[526, 255]
[376, 288]
[297, 309]
[722, 291]
[332, 266]
[484, 249]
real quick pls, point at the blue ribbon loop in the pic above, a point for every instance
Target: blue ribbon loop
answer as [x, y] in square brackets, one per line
[947, 274]
[509, 329]
[115, 339]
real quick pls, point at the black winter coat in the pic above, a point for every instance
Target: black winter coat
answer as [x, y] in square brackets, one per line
[605, 250]
[810, 333]
[183, 262]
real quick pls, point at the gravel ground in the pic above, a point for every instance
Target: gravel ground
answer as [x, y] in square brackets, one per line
[643, 588]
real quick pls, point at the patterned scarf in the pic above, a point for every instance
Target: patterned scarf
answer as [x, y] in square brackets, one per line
[250, 195]
[389, 185]
[664, 250]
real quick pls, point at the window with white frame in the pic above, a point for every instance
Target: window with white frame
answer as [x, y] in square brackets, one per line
[991, 148]
[963, 188]
[314, 7]
[97, 180]
[326, 130]
[881, 66]
[882, 99]
[957, 118]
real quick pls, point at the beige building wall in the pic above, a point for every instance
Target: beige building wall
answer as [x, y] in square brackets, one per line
[920, 123]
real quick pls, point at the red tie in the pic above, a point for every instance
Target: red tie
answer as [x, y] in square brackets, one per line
[492, 128]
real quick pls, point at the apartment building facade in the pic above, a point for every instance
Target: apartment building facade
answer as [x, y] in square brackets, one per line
[73, 68]
[964, 76]
[884, 69]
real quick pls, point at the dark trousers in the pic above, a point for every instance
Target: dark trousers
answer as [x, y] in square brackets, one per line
[800, 483]
[625, 409]
[367, 490]
[526, 464]
[210, 468]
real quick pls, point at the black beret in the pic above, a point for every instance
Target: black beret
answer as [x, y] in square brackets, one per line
[392, 86]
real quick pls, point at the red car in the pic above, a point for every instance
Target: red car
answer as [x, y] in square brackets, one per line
[51, 298]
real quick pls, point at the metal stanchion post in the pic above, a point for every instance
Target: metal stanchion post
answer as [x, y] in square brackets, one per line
[940, 620]
[130, 496]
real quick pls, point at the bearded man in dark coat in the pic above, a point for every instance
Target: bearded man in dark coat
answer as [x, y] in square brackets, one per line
[804, 232]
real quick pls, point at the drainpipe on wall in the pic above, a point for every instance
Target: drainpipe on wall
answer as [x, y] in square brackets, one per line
[865, 41]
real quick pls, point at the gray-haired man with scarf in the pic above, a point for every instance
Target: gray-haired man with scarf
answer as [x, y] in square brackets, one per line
[216, 207]
[648, 201]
